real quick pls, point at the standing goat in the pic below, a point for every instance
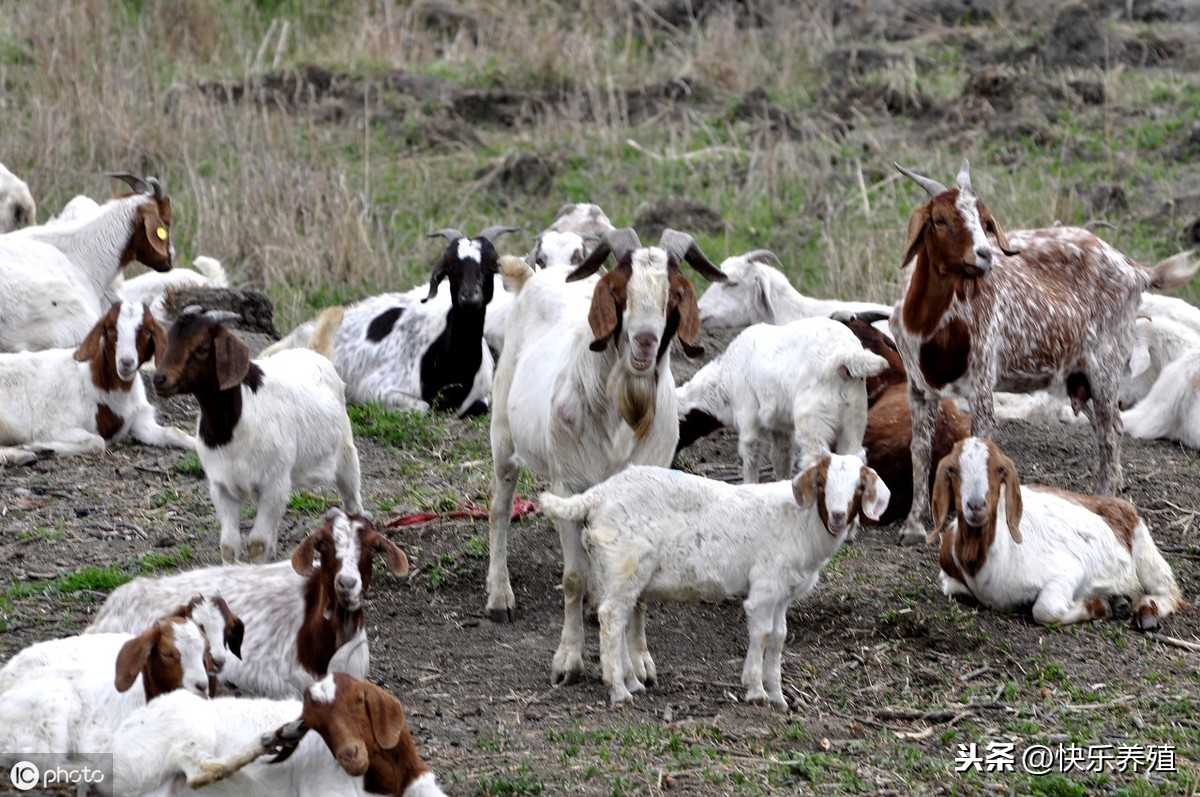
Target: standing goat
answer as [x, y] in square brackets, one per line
[74, 402]
[584, 388]
[1055, 306]
[17, 208]
[53, 277]
[1071, 557]
[265, 426]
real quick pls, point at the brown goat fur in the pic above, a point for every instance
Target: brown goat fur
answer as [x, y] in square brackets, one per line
[152, 654]
[972, 549]
[148, 245]
[99, 348]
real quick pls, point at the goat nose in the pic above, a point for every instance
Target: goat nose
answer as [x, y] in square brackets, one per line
[645, 340]
[976, 504]
[983, 254]
[345, 582]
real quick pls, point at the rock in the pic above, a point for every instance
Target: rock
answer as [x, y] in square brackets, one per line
[679, 214]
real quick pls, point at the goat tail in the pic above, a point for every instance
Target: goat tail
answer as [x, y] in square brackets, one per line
[1154, 574]
[1173, 272]
[515, 272]
[572, 507]
[861, 364]
[325, 331]
[212, 270]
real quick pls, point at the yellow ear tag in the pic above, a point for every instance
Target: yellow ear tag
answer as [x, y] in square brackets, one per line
[162, 233]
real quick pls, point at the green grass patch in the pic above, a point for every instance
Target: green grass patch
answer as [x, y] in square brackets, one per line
[189, 465]
[404, 430]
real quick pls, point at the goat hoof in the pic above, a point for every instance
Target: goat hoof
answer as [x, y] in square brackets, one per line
[256, 551]
[505, 615]
[910, 537]
[1145, 619]
[1119, 606]
[565, 678]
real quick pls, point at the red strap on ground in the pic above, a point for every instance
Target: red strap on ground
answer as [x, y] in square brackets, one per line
[521, 508]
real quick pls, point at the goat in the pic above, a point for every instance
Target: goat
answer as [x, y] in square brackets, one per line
[1054, 306]
[584, 388]
[800, 384]
[888, 436]
[1178, 310]
[757, 293]
[1170, 410]
[17, 208]
[75, 402]
[65, 696]
[297, 615]
[1157, 343]
[658, 534]
[53, 277]
[1072, 557]
[265, 426]
[155, 288]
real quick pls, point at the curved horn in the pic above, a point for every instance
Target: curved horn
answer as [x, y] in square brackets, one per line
[223, 315]
[684, 247]
[159, 191]
[762, 256]
[963, 180]
[491, 233]
[449, 233]
[618, 243]
[135, 182]
[192, 309]
[932, 187]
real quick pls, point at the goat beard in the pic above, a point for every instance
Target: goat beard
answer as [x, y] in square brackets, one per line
[635, 397]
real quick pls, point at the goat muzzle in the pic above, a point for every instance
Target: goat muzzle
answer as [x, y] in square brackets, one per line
[353, 759]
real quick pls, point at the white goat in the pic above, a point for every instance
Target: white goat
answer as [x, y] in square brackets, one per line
[53, 277]
[800, 385]
[265, 426]
[76, 401]
[17, 208]
[658, 534]
[154, 288]
[298, 616]
[584, 388]
[758, 293]
[1171, 410]
[1072, 557]
[1180, 311]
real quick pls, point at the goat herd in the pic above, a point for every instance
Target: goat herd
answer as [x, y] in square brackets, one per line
[856, 402]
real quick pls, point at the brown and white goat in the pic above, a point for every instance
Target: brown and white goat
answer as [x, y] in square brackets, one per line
[888, 439]
[1071, 557]
[1053, 306]
[76, 401]
[302, 619]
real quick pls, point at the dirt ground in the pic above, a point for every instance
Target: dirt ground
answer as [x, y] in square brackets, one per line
[886, 677]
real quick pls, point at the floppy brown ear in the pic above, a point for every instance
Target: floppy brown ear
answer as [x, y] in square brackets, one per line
[233, 359]
[132, 657]
[93, 344]
[397, 561]
[804, 487]
[155, 230]
[386, 715]
[942, 497]
[1013, 507]
[235, 629]
[608, 303]
[918, 224]
[302, 555]
[689, 313]
[158, 338]
[991, 225]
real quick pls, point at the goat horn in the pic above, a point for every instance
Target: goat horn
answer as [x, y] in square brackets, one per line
[931, 186]
[449, 233]
[135, 182]
[491, 233]
[192, 309]
[618, 243]
[223, 315]
[762, 256]
[684, 247]
[963, 180]
[159, 191]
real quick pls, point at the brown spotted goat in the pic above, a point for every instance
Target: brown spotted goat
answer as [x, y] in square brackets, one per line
[1071, 557]
[77, 401]
[1051, 307]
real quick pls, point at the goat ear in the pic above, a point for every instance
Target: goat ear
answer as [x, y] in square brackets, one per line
[689, 313]
[93, 344]
[1139, 358]
[762, 297]
[918, 224]
[608, 303]
[804, 487]
[1012, 501]
[158, 338]
[435, 279]
[876, 494]
[943, 496]
[397, 561]
[235, 629]
[133, 656]
[233, 359]
[386, 715]
[302, 555]
[155, 230]
[991, 225]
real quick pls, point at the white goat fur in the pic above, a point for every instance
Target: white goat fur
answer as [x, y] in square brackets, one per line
[154, 287]
[1066, 557]
[1180, 311]
[555, 413]
[59, 696]
[554, 249]
[800, 385]
[17, 208]
[53, 277]
[48, 401]
[1171, 410]
[758, 293]
[659, 534]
